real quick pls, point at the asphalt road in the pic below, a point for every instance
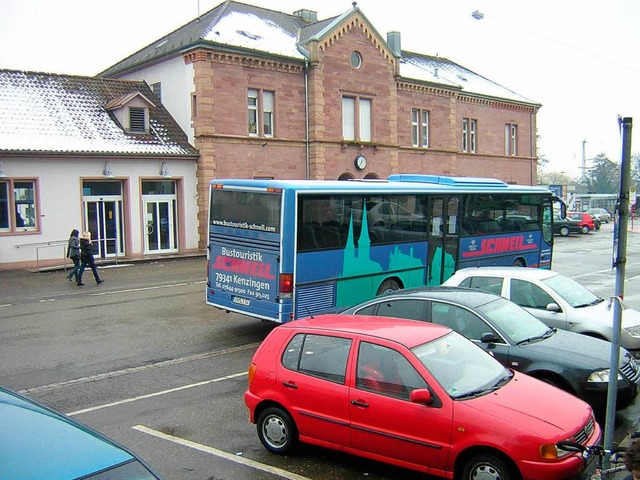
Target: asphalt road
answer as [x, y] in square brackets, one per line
[144, 360]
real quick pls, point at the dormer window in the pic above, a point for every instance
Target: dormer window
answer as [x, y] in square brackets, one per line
[132, 111]
[137, 119]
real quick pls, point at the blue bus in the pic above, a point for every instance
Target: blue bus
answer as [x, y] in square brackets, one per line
[279, 250]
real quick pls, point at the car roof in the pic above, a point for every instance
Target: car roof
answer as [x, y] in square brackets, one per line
[518, 272]
[36, 442]
[405, 332]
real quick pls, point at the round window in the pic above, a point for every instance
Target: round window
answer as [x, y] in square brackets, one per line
[356, 60]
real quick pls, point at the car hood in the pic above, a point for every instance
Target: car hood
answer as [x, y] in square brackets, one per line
[545, 410]
[575, 349]
[38, 443]
[601, 311]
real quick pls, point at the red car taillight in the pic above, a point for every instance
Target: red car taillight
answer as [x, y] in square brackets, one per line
[286, 285]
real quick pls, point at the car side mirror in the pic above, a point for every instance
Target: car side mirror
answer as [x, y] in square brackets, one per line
[421, 396]
[488, 337]
[553, 307]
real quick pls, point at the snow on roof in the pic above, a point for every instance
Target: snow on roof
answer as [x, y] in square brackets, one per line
[246, 30]
[445, 72]
[276, 33]
[41, 112]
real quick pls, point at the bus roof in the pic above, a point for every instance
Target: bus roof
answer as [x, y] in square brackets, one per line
[395, 183]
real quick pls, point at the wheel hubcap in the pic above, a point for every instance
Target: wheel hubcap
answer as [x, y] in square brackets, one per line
[275, 431]
[485, 472]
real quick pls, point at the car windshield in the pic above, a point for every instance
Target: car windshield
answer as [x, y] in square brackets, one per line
[514, 321]
[571, 291]
[461, 368]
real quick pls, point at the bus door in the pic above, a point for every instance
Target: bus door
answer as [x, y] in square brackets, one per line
[444, 216]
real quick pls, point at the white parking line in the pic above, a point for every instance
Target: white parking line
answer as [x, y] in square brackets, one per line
[219, 453]
[142, 289]
[155, 394]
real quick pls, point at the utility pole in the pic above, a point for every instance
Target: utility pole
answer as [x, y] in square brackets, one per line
[620, 241]
[584, 160]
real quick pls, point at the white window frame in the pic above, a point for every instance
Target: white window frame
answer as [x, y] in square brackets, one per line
[356, 118]
[420, 128]
[261, 112]
[511, 139]
[469, 135]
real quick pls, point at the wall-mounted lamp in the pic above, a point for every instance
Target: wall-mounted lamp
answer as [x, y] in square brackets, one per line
[2, 174]
[107, 172]
[164, 170]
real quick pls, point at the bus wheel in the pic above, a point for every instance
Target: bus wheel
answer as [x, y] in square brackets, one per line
[388, 286]
[519, 262]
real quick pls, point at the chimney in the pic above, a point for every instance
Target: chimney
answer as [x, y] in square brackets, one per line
[393, 40]
[307, 15]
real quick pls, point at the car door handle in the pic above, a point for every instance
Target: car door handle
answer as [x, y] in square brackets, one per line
[359, 403]
[293, 386]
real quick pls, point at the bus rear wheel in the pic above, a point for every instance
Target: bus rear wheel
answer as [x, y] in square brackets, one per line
[388, 286]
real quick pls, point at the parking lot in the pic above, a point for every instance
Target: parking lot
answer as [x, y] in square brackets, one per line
[144, 360]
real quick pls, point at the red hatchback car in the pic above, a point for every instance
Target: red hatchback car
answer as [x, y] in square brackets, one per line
[411, 394]
[586, 221]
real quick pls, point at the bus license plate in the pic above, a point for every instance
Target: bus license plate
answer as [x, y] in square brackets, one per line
[241, 301]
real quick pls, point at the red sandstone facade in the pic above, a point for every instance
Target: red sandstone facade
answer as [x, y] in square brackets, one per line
[220, 124]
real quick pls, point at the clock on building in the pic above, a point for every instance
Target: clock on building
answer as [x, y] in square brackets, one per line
[360, 162]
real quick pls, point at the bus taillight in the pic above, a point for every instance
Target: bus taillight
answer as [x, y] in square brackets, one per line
[286, 285]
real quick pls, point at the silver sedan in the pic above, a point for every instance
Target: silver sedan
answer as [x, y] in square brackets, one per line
[555, 299]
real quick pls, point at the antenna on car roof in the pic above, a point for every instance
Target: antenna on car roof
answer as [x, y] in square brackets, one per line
[308, 312]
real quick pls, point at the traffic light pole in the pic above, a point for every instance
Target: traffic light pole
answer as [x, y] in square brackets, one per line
[620, 241]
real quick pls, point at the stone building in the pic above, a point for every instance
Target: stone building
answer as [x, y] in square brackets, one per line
[263, 93]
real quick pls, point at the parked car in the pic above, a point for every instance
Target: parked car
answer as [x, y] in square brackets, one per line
[585, 220]
[411, 394]
[38, 443]
[600, 213]
[575, 363]
[555, 299]
[565, 226]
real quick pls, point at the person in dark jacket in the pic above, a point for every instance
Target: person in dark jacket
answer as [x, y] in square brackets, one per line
[86, 258]
[632, 460]
[73, 252]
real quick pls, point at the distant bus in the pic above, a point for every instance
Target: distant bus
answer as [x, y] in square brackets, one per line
[279, 250]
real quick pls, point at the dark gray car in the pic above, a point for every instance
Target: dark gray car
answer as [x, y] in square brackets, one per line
[573, 362]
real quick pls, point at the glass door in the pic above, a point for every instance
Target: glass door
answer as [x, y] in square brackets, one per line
[103, 218]
[160, 231]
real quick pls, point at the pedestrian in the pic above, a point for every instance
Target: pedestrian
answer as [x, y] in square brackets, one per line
[73, 252]
[632, 460]
[86, 258]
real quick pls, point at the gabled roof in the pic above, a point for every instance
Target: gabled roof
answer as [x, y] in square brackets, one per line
[123, 100]
[237, 26]
[49, 113]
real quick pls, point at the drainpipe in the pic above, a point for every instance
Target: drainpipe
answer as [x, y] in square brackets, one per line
[306, 117]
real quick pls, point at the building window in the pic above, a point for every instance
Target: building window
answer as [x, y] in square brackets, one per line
[137, 119]
[356, 60]
[510, 139]
[194, 106]
[469, 135]
[260, 104]
[356, 119]
[420, 128]
[17, 205]
[157, 89]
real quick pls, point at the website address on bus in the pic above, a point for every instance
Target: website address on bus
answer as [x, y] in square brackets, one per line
[247, 225]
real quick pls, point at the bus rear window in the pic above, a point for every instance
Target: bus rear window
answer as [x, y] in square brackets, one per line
[249, 210]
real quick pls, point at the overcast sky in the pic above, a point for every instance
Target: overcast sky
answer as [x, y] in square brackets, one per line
[578, 58]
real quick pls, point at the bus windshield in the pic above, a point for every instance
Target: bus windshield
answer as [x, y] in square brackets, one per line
[248, 210]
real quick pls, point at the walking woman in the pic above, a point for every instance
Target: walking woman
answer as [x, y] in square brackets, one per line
[86, 258]
[73, 252]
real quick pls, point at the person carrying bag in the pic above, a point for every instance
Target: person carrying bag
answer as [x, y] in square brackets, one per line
[73, 252]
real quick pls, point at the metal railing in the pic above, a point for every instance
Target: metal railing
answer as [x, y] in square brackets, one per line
[63, 243]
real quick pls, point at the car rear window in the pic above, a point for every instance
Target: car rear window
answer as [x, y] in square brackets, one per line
[323, 356]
